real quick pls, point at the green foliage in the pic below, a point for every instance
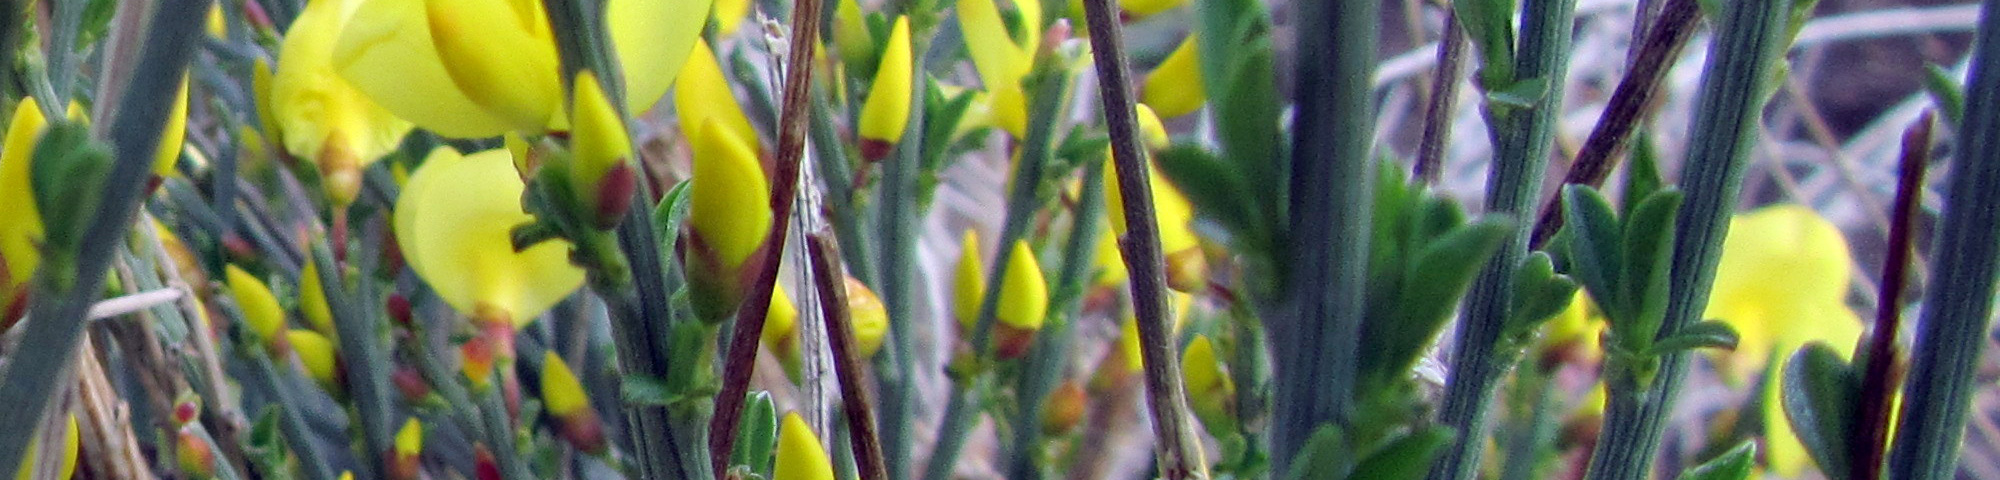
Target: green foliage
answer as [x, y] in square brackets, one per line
[1821, 395]
[1732, 465]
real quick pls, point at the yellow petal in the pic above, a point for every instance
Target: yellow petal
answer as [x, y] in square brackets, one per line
[20, 225]
[1209, 389]
[730, 197]
[1174, 88]
[868, 316]
[704, 95]
[215, 24]
[316, 353]
[653, 38]
[319, 112]
[887, 109]
[1151, 129]
[1024, 293]
[387, 52]
[994, 53]
[1782, 281]
[800, 456]
[1171, 209]
[67, 467]
[562, 394]
[969, 283]
[729, 15]
[260, 307]
[501, 54]
[410, 438]
[598, 139]
[168, 152]
[780, 321]
[454, 223]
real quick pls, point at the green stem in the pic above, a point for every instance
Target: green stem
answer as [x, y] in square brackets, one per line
[1522, 139]
[1742, 62]
[56, 315]
[896, 222]
[359, 336]
[291, 423]
[1048, 358]
[1958, 305]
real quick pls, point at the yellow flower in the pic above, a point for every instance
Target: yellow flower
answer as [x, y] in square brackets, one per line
[168, 152]
[20, 224]
[453, 223]
[969, 283]
[562, 394]
[321, 116]
[887, 109]
[1128, 336]
[1001, 58]
[479, 68]
[703, 94]
[600, 172]
[1782, 282]
[780, 322]
[316, 353]
[409, 445]
[800, 456]
[868, 316]
[1186, 268]
[1174, 88]
[260, 308]
[729, 217]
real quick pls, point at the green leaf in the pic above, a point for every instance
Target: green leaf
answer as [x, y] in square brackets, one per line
[1945, 92]
[1732, 465]
[1327, 455]
[1649, 248]
[1819, 394]
[1642, 171]
[644, 391]
[1489, 24]
[942, 115]
[757, 438]
[1408, 457]
[670, 214]
[1539, 293]
[1435, 279]
[1218, 192]
[1704, 334]
[1594, 247]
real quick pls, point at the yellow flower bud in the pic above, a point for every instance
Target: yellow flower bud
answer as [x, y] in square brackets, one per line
[215, 24]
[403, 461]
[730, 198]
[315, 351]
[1151, 129]
[600, 172]
[20, 222]
[850, 33]
[262, 79]
[453, 223]
[1024, 293]
[562, 394]
[1174, 88]
[868, 316]
[168, 152]
[1210, 391]
[260, 308]
[887, 110]
[703, 94]
[312, 301]
[321, 116]
[969, 284]
[66, 463]
[800, 456]
[780, 322]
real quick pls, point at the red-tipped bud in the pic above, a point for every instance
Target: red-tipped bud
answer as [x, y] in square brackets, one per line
[192, 454]
[614, 195]
[1064, 409]
[398, 307]
[484, 467]
[410, 384]
[187, 409]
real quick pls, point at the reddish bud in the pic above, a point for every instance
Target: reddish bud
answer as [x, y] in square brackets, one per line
[186, 409]
[238, 247]
[1064, 409]
[484, 467]
[875, 150]
[614, 195]
[583, 430]
[411, 384]
[399, 310]
[1012, 342]
[193, 455]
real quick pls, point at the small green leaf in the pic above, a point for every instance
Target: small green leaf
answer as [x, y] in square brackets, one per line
[1435, 279]
[1523, 94]
[644, 391]
[1704, 334]
[1946, 92]
[1642, 171]
[1408, 457]
[757, 438]
[1327, 455]
[1819, 394]
[1217, 191]
[1538, 294]
[1732, 465]
[1489, 24]
[670, 214]
[1594, 247]
[1649, 248]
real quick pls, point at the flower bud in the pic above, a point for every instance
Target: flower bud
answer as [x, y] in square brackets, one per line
[312, 301]
[969, 283]
[1174, 88]
[404, 456]
[317, 354]
[600, 172]
[187, 408]
[851, 35]
[1024, 303]
[411, 384]
[260, 308]
[168, 152]
[1187, 269]
[780, 322]
[566, 400]
[703, 94]
[729, 219]
[868, 318]
[193, 455]
[20, 223]
[484, 466]
[1064, 409]
[887, 110]
[1211, 393]
[800, 456]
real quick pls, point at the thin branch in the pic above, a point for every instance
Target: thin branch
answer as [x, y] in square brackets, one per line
[1443, 97]
[1879, 383]
[824, 252]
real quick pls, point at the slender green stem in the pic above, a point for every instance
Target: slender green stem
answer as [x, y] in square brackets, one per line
[366, 358]
[291, 421]
[1317, 321]
[1742, 62]
[1958, 303]
[1522, 139]
[55, 319]
[896, 222]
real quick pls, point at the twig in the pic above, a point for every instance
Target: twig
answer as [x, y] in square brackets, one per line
[135, 302]
[1179, 453]
[742, 354]
[1878, 384]
[1630, 103]
[823, 253]
[1443, 97]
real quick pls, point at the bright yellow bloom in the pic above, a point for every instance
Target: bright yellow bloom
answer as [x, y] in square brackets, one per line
[703, 94]
[316, 353]
[320, 115]
[800, 456]
[780, 322]
[168, 152]
[20, 222]
[453, 223]
[1782, 282]
[1186, 267]
[562, 394]
[1174, 88]
[1024, 293]
[729, 15]
[479, 68]
[600, 172]
[887, 109]
[260, 307]
[868, 317]
[1002, 59]
[730, 198]
[410, 438]
[312, 301]
[969, 283]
